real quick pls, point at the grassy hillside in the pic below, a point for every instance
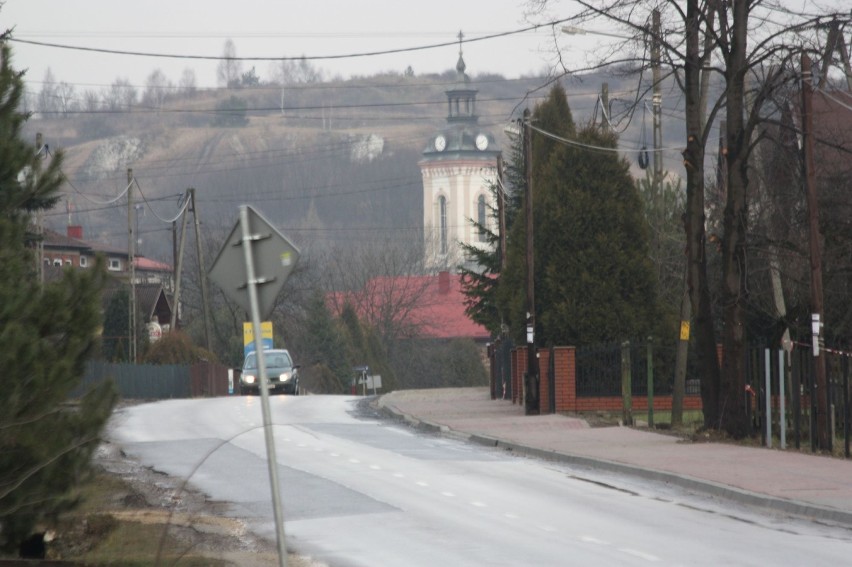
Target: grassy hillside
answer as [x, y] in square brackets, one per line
[330, 163]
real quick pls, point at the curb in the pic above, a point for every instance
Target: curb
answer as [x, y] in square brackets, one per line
[706, 487]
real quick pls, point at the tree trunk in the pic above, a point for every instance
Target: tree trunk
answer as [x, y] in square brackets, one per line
[699, 290]
[734, 295]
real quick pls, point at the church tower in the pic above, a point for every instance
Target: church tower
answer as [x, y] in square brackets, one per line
[459, 167]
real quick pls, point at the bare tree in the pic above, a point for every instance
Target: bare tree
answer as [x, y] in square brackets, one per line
[230, 69]
[65, 93]
[187, 84]
[699, 40]
[289, 72]
[157, 88]
[91, 100]
[385, 284]
[121, 95]
[48, 97]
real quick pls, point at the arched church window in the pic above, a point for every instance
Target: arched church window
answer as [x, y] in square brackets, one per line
[442, 216]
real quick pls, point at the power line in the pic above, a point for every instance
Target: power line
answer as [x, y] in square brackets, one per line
[292, 58]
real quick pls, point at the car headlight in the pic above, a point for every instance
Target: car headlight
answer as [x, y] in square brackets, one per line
[285, 376]
[248, 378]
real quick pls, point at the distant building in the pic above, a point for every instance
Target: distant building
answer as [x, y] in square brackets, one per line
[154, 281]
[70, 250]
[459, 167]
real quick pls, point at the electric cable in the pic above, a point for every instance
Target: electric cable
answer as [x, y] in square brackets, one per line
[291, 58]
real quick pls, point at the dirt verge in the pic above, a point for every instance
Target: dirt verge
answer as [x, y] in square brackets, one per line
[133, 515]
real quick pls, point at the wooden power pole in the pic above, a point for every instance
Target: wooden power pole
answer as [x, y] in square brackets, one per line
[131, 260]
[202, 273]
[817, 321]
[532, 397]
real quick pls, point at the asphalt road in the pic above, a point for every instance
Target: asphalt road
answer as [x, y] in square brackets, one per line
[362, 491]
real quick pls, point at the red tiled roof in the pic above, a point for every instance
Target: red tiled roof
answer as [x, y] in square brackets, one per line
[143, 263]
[433, 305]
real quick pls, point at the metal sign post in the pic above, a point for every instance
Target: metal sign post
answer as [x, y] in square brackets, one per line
[276, 257]
[271, 458]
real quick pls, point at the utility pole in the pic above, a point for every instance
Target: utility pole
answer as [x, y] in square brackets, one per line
[657, 96]
[501, 213]
[131, 259]
[179, 265]
[202, 273]
[39, 222]
[817, 321]
[531, 399]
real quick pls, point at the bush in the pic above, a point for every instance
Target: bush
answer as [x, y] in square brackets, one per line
[177, 348]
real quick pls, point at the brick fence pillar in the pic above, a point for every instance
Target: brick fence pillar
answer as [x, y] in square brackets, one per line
[519, 367]
[565, 365]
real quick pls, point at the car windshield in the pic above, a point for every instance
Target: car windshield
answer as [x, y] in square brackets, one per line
[273, 360]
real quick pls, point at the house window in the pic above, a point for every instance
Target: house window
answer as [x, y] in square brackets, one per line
[84, 262]
[442, 227]
[481, 219]
[57, 262]
[114, 264]
[47, 261]
[67, 262]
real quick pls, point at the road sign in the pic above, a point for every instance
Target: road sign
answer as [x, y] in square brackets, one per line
[265, 258]
[248, 337]
[274, 259]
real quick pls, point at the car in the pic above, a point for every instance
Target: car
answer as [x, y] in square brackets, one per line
[282, 375]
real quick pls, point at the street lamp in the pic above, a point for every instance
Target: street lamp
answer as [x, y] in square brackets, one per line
[572, 30]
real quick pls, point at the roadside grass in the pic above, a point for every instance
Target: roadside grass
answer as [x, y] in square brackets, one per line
[692, 420]
[114, 525]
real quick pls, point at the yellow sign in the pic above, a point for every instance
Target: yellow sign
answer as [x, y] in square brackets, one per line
[265, 336]
[684, 330]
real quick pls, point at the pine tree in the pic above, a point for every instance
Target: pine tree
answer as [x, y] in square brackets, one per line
[597, 282]
[481, 284]
[365, 348]
[593, 278]
[324, 344]
[47, 332]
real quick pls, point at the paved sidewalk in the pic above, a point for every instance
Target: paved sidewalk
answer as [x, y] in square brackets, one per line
[786, 481]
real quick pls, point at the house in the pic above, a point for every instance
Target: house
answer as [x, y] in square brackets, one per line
[427, 307]
[71, 250]
[153, 281]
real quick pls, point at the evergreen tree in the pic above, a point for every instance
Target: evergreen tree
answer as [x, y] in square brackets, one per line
[47, 332]
[365, 348]
[593, 278]
[324, 345]
[480, 285]
[597, 282]
[116, 343]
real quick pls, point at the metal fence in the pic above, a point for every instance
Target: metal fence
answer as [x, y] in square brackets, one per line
[800, 395]
[502, 368]
[599, 369]
[160, 381]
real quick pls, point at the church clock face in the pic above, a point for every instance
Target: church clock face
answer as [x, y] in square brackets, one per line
[482, 142]
[440, 143]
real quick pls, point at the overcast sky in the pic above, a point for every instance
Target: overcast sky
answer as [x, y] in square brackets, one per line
[292, 28]
[267, 28]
